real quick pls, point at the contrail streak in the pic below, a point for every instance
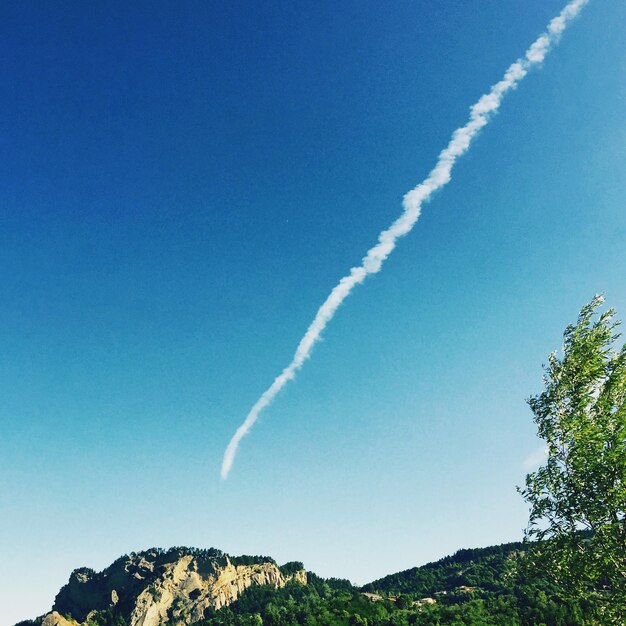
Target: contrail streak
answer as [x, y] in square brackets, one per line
[480, 113]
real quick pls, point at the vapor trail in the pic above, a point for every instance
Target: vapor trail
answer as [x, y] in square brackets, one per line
[480, 113]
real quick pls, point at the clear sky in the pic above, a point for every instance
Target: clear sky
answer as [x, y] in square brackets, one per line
[183, 183]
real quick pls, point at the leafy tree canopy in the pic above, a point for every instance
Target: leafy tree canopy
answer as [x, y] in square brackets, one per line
[578, 497]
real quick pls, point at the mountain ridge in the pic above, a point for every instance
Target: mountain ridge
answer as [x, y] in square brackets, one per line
[207, 587]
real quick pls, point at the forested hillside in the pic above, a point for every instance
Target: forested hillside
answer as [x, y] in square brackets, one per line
[472, 587]
[185, 586]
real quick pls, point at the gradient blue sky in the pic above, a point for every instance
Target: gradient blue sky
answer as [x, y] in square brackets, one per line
[183, 183]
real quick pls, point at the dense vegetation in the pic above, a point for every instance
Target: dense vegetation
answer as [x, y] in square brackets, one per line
[473, 587]
[214, 555]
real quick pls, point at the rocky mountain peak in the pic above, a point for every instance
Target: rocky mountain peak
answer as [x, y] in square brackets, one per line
[157, 586]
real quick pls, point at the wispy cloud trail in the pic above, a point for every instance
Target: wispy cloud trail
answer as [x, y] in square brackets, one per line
[480, 113]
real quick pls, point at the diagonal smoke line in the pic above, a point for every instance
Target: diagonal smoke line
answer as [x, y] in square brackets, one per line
[462, 137]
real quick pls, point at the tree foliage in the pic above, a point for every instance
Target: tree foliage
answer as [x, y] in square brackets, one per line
[470, 588]
[578, 497]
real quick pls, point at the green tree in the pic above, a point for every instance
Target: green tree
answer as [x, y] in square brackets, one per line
[578, 497]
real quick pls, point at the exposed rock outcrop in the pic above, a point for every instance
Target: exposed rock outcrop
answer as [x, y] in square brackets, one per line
[156, 587]
[55, 619]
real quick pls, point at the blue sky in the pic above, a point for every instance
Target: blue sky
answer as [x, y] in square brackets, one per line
[183, 185]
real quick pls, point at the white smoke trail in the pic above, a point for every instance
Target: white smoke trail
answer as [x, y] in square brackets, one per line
[461, 139]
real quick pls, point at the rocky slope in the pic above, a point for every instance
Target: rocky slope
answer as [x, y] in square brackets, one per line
[159, 587]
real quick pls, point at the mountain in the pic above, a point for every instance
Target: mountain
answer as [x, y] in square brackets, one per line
[156, 587]
[187, 586]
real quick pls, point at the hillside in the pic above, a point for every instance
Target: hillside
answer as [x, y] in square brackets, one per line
[186, 586]
[476, 569]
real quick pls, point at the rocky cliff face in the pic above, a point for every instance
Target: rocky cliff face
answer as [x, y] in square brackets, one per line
[154, 587]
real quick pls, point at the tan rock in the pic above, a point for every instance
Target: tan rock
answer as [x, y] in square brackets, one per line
[183, 593]
[159, 587]
[56, 619]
